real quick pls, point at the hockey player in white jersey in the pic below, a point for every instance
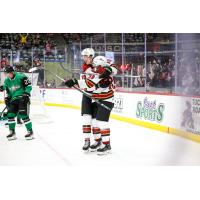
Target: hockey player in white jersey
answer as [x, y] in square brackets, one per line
[87, 106]
[100, 86]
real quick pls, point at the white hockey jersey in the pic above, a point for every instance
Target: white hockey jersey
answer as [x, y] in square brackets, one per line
[101, 88]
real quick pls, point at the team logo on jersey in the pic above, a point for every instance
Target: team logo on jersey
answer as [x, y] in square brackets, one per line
[150, 110]
[14, 88]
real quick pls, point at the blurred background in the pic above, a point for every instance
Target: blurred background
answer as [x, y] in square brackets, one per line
[146, 62]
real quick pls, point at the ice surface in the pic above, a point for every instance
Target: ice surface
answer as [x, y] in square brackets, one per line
[60, 143]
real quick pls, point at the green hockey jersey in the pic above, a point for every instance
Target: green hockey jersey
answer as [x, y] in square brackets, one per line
[17, 86]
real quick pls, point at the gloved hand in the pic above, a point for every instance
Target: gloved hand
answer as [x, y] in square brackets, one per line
[106, 72]
[104, 83]
[71, 82]
[7, 101]
[1, 88]
[25, 98]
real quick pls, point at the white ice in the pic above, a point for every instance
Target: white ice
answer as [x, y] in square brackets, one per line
[60, 143]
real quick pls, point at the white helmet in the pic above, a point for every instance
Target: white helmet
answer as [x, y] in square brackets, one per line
[88, 52]
[100, 61]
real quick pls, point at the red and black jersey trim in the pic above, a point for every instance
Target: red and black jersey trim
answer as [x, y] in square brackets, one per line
[103, 95]
[89, 83]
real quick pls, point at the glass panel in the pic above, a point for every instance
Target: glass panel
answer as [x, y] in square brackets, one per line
[188, 65]
[61, 54]
[133, 67]
[161, 62]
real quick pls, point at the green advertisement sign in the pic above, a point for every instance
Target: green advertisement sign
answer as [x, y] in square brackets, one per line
[150, 110]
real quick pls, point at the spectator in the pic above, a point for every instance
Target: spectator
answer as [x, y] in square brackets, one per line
[164, 76]
[36, 40]
[139, 81]
[4, 62]
[37, 62]
[23, 39]
[48, 48]
[53, 83]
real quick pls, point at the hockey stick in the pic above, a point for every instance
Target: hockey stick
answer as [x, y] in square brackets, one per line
[69, 71]
[87, 95]
[2, 112]
[84, 93]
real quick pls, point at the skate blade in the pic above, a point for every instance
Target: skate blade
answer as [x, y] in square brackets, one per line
[93, 150]
[30, 138]
[86, 151]
[12, 138]
[89, 151]
[104, 153]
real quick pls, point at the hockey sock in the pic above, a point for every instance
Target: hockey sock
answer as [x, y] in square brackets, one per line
[27, 122]
[105, 135]
[97, 133]
[87, 131]
[11, 121]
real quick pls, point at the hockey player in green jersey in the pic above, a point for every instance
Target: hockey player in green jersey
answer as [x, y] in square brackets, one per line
[18, 88]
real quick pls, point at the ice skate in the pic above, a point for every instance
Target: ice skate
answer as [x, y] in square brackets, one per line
[29, 135]
[12, 135]
[86, 145]
[95, 146]
[104, 149]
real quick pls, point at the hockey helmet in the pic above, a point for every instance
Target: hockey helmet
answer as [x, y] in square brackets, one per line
[88, 52]
[9, 69]
[100, 61]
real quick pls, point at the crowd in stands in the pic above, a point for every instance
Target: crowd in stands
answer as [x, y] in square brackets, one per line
[77, 37]
[159, 74]
[43, 43]
[116, 37]
[134, 37]
[24, 47]
[31, 50]
[18, 41]
[151, 37]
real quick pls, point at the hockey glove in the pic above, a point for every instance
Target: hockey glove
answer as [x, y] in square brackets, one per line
[71, 82]
[26, 98]
[7, 101]
[1, 88]
[104, 83]
[106, 73]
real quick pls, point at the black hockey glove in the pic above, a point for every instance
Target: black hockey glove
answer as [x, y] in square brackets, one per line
[104, 83]
[1, 88]
[7, 101]
[26, 98]
[71, 82]
[107, 72]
